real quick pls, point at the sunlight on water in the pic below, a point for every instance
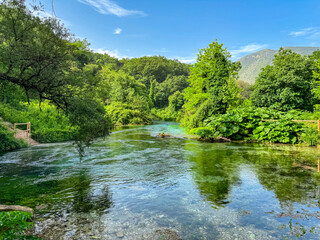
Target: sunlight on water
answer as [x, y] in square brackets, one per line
[134, 185]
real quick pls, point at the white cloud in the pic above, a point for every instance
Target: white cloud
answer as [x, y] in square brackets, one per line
[310, 32]
[246, 49]
[112, 53]
[117, 31]
[188, 60]
[109, 7]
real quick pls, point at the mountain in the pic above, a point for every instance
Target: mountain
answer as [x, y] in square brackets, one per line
[253, 63]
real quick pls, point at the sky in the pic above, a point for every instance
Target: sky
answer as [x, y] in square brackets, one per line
[178, 29]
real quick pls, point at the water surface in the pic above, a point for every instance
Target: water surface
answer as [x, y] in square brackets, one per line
[134, 185]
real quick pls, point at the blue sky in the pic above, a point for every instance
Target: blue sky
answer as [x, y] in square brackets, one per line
[179, 28]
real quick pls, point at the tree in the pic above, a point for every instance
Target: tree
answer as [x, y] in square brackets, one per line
[152, 92]
[171, 85]
[246, 89]
[157, 66]
[287, 84]
[212, 87]
[176, 101]
[34, 53]
[315, 58]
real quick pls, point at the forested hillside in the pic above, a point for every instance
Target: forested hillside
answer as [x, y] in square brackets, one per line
[254, 62]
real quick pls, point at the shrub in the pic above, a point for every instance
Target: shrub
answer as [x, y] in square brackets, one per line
[8, 142]
[310, 136]
[247, 124]
[47, 124]
[14, 224]
[123, 114]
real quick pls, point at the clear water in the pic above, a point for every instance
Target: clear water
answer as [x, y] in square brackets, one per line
[134, 185]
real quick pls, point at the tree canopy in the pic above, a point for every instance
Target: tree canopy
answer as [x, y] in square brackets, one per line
[212, 87]
[287, 84]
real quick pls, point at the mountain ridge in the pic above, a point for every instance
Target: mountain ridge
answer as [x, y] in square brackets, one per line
[253, 63]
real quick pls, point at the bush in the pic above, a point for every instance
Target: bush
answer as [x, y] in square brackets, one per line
[247, 124]
[283, 131]
[47, 124]
[8, 142]
[45, 135]
[14, 224]
[204, 133]
[166, 114]
[310, 136]
[123, 114]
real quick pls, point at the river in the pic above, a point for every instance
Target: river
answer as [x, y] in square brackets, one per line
[134, 185]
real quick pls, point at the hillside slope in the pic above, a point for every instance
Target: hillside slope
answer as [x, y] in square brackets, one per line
[253, 63]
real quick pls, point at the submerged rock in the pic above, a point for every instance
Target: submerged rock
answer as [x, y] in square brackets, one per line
[163, 135]
[167, 234]
[120, 235]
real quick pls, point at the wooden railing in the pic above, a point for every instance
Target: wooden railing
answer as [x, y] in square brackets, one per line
[28, 131]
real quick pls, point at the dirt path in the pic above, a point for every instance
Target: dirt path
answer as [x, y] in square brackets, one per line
[20, 134]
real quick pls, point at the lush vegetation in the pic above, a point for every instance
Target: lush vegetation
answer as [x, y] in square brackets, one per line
[251, 123]
[287, 84]
[284, 91]
[14, 224]
[212, 87]
[68, 92]
[7, 140]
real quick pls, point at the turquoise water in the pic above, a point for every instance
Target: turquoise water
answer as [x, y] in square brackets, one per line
[134, 185]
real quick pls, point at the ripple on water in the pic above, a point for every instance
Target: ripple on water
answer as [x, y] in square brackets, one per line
[133, 185]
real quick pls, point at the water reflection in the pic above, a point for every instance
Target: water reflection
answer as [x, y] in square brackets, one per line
[215, 171]
[137, 186]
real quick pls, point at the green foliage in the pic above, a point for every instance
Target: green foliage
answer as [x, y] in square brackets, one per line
[282, 131]
[91, 119]
[8, 142]
[246, 124]
[246, 89]
[126, 99]
[125, 114]
[11, 93]
[173, 111]
[205, 133]
[212, 87]
[158, 67]
[34, 53]
[152, 92]
[14, 224]
[167, 88]
[41, 57]
[47, 125]
[310, 136]
[287, 84]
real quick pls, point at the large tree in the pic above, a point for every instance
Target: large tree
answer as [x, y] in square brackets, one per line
[37, 55]
[286, 84]
[34, 52]
[212, 87]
